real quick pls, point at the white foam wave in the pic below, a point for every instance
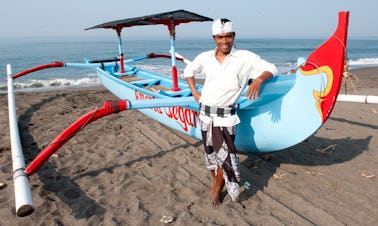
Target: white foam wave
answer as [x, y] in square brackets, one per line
[57, 83]
[285, 67]
[91, 79]
[161, 69]
[363, 61]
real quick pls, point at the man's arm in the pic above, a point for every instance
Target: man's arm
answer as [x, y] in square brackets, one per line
[254, 87]
[192, 85]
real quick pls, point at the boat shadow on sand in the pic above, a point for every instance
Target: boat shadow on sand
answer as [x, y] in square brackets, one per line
[314, 151]
[256, 169]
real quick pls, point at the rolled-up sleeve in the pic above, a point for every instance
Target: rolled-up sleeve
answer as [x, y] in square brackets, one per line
[260, 65]
[189, 70]
[193, 68]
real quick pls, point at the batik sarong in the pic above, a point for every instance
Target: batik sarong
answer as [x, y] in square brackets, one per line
[220, 151]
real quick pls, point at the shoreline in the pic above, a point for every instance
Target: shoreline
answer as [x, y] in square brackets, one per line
[127, 169]
[366, 72]
[364, 80]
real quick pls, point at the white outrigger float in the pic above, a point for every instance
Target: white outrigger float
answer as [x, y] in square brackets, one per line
[300, 102]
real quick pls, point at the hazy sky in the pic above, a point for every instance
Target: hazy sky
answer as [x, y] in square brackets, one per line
[252, 18]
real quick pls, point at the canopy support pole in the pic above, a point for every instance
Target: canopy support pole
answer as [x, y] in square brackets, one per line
[172, 32]
[120, 50]
[23, 197]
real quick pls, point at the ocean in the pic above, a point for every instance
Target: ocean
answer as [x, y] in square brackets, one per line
[26, 53]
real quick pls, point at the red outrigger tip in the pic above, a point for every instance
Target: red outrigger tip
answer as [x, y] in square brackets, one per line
[40, 67]
[109, 107]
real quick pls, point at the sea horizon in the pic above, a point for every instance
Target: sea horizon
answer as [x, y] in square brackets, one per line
[24, 53]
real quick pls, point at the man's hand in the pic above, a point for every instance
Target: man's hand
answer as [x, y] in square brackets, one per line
[254, 88]
[197, 96]
[192, 85]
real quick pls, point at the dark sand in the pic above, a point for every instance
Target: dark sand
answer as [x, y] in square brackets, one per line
[127, 169]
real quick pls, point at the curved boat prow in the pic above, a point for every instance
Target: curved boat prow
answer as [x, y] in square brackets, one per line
[297, 114]
[330, 59]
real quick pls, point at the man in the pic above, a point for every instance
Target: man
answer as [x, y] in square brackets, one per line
[227, 72]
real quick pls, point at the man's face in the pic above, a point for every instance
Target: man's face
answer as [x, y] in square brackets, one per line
[224, 42]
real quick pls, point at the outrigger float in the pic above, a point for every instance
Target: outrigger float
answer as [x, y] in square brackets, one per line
[291, 107]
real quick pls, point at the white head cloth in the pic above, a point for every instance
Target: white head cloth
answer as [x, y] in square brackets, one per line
[220, 27]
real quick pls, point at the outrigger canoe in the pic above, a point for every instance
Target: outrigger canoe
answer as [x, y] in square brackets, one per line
[291, 107]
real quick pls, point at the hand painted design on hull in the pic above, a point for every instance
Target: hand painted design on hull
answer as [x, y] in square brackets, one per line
[329, 59]
[321, 96]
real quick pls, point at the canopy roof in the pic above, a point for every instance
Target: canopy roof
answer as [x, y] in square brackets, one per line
[168, 18]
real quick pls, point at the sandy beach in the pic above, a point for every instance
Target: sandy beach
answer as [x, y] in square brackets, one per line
[127, 169]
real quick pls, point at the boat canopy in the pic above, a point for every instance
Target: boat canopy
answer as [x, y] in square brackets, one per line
[170, 19]
[176, 17]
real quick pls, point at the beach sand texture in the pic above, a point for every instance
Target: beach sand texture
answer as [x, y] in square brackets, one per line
[127, 169]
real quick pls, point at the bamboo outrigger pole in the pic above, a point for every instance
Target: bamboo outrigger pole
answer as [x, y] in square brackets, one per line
[367, 99]
[23, 197]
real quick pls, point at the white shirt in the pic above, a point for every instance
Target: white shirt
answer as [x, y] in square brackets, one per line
[225, 81]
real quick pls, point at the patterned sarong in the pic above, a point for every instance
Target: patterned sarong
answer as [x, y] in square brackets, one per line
[220, 151]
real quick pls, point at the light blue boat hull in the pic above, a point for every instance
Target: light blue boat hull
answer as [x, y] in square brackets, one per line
[290, 108]
[277, 120]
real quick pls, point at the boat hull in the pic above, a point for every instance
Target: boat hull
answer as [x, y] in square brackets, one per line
[290, 108]
[284, 115]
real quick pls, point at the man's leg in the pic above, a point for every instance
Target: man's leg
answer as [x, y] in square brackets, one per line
[218, 186]
[216, 172]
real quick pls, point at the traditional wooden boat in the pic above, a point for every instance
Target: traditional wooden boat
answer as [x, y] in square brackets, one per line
[290, 108]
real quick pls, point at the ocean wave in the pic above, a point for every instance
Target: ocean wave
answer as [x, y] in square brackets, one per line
[91, 79]
[364, 61]
[34, 84]
[161, 69]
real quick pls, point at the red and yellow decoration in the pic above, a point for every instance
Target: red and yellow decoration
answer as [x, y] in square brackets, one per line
[330, 59]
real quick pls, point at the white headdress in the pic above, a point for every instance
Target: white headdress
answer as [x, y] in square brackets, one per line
[222, 26]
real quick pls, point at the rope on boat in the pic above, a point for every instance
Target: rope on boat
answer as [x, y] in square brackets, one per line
[346, 74]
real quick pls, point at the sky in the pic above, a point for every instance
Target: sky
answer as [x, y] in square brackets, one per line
[251, 18]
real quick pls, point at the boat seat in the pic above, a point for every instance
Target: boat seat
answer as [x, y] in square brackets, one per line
[181, 93]
[146, 82]
[133, 71]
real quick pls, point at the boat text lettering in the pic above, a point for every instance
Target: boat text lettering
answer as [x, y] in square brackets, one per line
[183, 116]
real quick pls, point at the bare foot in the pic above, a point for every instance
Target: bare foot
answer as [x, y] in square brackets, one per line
[216, 200]
[212, 189]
